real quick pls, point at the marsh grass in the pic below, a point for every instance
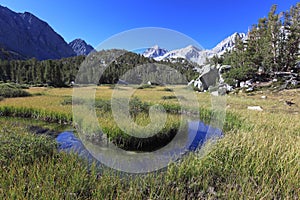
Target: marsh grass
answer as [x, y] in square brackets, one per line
[43, 115]
[258, 158]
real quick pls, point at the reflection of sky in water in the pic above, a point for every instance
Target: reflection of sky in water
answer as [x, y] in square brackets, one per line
[198, 133]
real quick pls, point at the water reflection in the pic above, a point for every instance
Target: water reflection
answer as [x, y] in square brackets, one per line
[198, 134]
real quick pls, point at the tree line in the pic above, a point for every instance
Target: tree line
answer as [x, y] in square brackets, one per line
[60, 73]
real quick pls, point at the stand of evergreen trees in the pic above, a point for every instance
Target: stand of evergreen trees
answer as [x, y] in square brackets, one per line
[56, 73]
[273, 45]
[60, 73]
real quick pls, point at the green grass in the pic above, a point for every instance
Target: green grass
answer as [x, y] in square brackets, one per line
[242, 165]
[258, 157]
[43, 115]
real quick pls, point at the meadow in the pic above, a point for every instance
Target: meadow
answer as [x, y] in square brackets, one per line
[258, 157]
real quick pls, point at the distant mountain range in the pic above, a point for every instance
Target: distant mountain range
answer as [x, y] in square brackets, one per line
[193, 53]
[155, 52]
[24, 36]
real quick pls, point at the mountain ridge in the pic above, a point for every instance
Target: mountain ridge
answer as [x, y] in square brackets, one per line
[28, 36]
[195, 54]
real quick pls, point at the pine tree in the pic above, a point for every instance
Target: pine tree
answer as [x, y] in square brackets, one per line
[272, 41]
[292, 29]
[238, 54]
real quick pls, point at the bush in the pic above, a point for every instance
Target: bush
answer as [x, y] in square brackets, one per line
[240, 74]
[9, 91]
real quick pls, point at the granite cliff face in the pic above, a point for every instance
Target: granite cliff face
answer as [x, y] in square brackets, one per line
[23, 35]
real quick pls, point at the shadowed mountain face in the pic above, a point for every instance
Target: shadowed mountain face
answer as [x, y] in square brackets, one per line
[23, 35]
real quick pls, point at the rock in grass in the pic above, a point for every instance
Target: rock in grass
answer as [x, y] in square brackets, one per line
[257, 108]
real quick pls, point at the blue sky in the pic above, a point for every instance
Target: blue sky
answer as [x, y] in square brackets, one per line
[207, 22]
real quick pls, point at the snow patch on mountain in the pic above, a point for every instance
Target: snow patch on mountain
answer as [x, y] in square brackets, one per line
[155, 52]
[228, 44]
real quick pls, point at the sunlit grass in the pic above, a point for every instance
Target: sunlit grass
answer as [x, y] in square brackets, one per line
[258, 157]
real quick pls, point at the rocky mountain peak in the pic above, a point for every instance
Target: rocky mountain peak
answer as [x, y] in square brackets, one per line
[80, 47]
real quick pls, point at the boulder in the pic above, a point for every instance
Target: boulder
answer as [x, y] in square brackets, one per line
[209, 77]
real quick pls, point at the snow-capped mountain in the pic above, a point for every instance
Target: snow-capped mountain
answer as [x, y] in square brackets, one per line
[80, 47]
[190, 53]
[193, 53]
[155, 52]
[228, 43]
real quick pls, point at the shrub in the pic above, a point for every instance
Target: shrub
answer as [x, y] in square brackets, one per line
[240, 74]
[9, 91]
